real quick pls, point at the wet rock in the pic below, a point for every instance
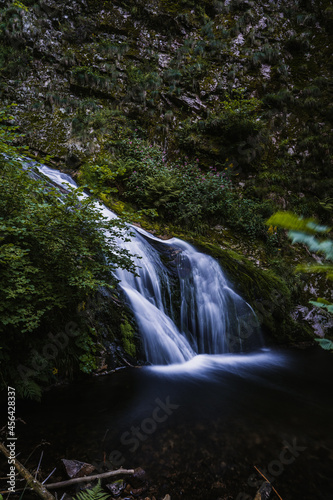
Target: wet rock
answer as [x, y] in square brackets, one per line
[320, 320]
[50, 7]
[138, 478]
[163, 60]
[192, 103]
[264, 491]
[117, 487]
[74, 468]
[139, 473]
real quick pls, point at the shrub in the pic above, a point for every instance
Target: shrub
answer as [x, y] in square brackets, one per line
[184, 193]
[54, 251]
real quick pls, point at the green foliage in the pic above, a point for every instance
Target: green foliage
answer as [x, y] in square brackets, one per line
[327, 204]
[128, 337]
[95, 493]
[55, 249]
[304, 231]
[20, 5]
[39, 232]
[109, 125]
[325, 344]
[324, 304]
[86, 344]
[86, 76]
[112, 50]
[292, 222]
[224, 133]
[104, 174]
[14, 62]
[308, 232]
[181, 191]
[178, 189]
[29, 390]
[238, 116]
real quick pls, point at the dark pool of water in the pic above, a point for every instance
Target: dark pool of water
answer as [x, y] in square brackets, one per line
[199, 430]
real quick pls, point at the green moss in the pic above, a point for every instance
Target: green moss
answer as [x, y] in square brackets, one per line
[127, 333]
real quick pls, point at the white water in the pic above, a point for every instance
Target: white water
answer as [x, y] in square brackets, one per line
[208, 318]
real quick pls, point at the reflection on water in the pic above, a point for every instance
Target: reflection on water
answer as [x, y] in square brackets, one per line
[199, 428]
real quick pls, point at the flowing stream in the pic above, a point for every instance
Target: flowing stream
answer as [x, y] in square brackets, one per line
[207, 317]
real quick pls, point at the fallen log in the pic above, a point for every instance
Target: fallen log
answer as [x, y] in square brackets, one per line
[38, 487]
[83, 479]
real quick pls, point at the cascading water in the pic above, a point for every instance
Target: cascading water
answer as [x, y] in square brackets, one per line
[209, 316]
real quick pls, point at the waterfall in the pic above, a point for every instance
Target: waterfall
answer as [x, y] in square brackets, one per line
[185, 308]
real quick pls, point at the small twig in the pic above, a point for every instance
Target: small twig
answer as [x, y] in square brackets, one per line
[33, 451]
[40, 460]
[84, 479]
[124, 361]
[107, 430]
[49, 475]
[256, 468]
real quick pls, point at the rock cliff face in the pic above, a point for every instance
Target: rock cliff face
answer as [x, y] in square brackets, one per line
[170, 66]
[238, 82]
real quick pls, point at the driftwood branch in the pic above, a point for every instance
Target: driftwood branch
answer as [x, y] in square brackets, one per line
[84, 479]
[33, 483]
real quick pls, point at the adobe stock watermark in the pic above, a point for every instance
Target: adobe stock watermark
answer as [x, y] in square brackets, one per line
[275, 468]
[11, 439]
[137, 434]
[50, 351]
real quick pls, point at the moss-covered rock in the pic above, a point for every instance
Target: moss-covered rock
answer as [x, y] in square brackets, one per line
[117, 337]
[127, 333]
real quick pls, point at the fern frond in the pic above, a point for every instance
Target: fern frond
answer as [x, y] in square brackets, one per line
[328, 306]
[29, 390]
[314, 245]
[325, 344]
[290, 221]
[95, 493]
[327, 204]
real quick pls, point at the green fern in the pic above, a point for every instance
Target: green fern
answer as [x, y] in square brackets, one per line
[306, 231]
[290, 221]
[325, 344]
[95, 493]
[29, 390]
[327, 204]
[324, 304]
